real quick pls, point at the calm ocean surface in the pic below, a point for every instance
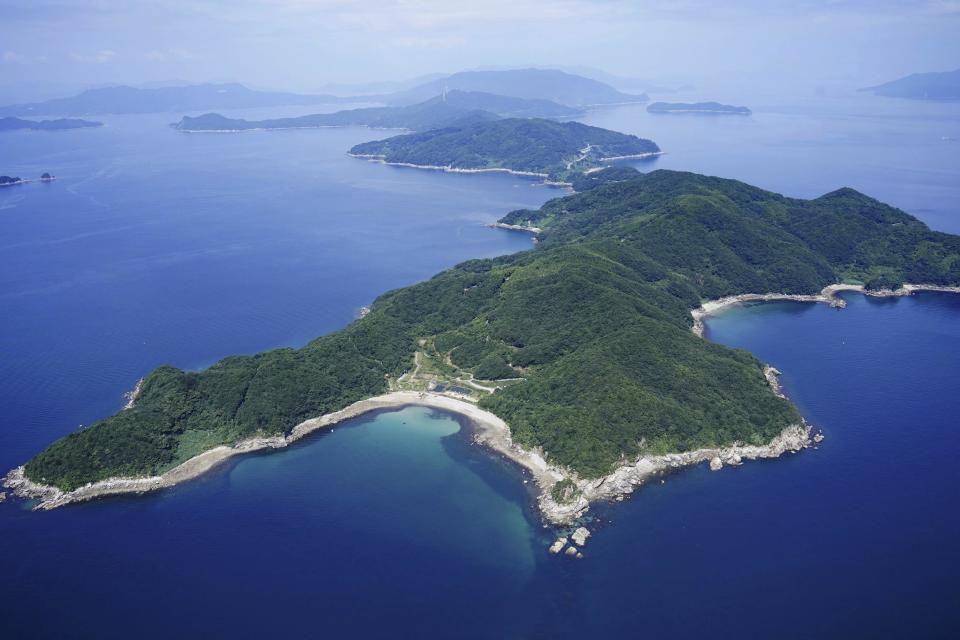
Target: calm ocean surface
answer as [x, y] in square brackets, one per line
[158, 247]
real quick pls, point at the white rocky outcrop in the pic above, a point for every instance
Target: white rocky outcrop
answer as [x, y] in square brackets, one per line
[716, 463]
[558, 545]
[580, 536]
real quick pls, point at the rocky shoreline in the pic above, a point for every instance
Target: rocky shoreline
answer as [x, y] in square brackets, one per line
[380, 159]
[489, 431]
[493, 433]
[827, 296]
[514, 227]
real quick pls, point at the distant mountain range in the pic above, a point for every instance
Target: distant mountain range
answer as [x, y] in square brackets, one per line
[129, 100]
[546, 148]
[940, 85]
[456, 108]
[15, 124]
[563, 89]
[697, 107]
[531, 84]
[380, 88]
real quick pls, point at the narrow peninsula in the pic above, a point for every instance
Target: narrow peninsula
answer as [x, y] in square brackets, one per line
[578, 358]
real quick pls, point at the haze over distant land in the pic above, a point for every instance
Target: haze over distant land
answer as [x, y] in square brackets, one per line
[697, 107]
[16, 124]
[455, 108]
[729, 51]
[124, 99]
[943, 85]
[531, 84]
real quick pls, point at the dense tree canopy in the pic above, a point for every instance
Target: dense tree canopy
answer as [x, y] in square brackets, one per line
[595, 320]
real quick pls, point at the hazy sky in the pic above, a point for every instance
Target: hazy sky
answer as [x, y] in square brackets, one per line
[303, 44]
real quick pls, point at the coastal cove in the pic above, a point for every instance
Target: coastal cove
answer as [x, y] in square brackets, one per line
[493, 433]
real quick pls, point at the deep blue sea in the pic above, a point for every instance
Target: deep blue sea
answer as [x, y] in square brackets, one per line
[159, 247]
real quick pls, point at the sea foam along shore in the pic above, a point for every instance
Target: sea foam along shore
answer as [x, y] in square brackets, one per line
[515, 227]
[827, 296]
[489, 431]
[380, 159]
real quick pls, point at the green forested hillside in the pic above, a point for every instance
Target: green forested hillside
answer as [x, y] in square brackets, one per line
[559, 149]
[595, 322]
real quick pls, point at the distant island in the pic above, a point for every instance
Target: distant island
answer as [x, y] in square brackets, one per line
[581, 358]
[532, 84]
[7, 181]
[454, 108]
[942, 85]
[16, 124]
[697, 107]
[131, 100]
[534, 147]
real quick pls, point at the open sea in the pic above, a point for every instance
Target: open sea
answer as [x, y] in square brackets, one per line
[156, 247]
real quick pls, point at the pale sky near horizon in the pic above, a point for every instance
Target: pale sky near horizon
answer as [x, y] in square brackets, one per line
[304, 44]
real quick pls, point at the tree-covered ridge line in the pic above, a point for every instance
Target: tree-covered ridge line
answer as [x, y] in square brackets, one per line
[557, 149]
[592, 328]
[455, 108]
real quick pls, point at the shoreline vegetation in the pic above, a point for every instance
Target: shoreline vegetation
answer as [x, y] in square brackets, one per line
[582, 345]
[557, 508]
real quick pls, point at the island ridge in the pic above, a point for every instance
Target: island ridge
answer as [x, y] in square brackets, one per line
[582, 345]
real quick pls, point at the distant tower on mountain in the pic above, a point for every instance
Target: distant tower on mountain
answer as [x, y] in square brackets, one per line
[443, 94]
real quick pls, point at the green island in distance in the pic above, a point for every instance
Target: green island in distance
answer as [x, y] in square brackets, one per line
[527, 146]
[698, 107]
[60, 124]
[582, 344]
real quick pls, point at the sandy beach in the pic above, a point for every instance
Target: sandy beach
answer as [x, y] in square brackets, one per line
[489, 431]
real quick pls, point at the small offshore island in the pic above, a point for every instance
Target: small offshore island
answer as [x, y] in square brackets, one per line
[698, 107]
[579, 359]
[535, 147]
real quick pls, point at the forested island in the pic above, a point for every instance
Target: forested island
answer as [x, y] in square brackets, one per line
[537, 147]
[7, 181]
[697, 107]
[582, 345]
[941, 85]
[455, 108]
[16, 124]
